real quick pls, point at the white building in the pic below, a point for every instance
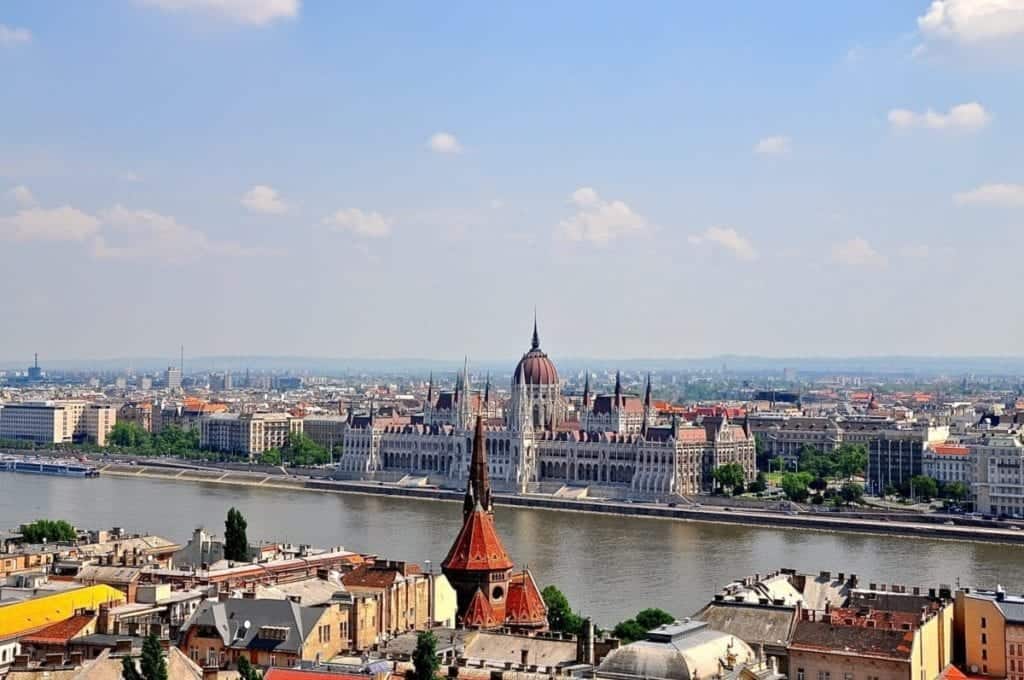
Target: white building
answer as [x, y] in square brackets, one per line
[948, 463]
[57, 422]
[998, 473]
[616, 444]
[249, 433]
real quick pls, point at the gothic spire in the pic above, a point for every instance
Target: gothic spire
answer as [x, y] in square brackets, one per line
[487, 389]
[535, 344]
[618, 389]
[430, 390]
[478, 490]
[647, 394]
[586, 389]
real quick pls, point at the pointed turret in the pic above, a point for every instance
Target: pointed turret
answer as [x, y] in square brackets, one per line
[430, 390]
[478, 491]
[618, 389]
[487, 389]
[647, 406]
[586, 390]
[535, 343]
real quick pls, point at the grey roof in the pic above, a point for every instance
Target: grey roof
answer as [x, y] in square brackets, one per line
[679, 651]
[753, 623]
[230, 617]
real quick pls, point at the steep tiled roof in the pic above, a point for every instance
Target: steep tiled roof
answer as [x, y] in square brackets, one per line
[524, 604]
[478, 547]
[378, 575]
[479, 613]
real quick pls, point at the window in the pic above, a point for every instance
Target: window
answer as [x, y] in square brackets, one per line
[984, 639]
[983, 622]
[824, 675]
[273, 659]
[800, 674]
[847, 676]
[984, 654]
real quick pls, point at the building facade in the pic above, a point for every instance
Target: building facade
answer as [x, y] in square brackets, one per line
[998, 473]
[57, 422]
[617, 443]
[247, 433]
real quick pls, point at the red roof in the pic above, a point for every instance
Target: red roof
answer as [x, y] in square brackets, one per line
[524, 605]
[950, 449]
[59, 633]
[479, 613]
[477, 547]
[276, 673]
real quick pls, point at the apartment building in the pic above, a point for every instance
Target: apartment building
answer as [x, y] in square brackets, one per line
[327, 431]
[948, 463]
[998, 484]
[247, 433]
[57, 422]
[990, 633]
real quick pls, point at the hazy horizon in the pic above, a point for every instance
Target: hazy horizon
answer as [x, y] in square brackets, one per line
[275, 177]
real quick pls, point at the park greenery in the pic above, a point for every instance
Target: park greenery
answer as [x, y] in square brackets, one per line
[236, 543]
[48, 530]
[424, 658]
[170, 441]
[729, 477]
[301, 450]
[561, 617]
[636, 628]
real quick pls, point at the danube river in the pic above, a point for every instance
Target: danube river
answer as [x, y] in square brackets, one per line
[608, 566]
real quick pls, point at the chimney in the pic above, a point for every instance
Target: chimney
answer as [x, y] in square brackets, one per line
[123, 647]
[210, 672]
[56, 659]
[76, 658]
[20, 662]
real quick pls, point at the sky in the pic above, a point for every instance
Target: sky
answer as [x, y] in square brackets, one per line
[676, 179]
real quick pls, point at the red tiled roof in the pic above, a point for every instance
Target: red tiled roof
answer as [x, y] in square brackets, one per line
[952, 673]
[59, 633]
[292, 674]
[525, 605]
[377, 575]
[479, 613]
[950, 449]
[478, 546]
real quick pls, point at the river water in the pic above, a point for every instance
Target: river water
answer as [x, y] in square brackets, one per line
[609, 567]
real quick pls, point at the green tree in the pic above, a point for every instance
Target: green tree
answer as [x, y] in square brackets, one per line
[851, 492]
[131, 435]
[424, 657]
[629, 631]
[652, 618]
[851, 459]
[153, 664]
[794, 485]
[246, 670]
[955, 491]
[759, 485]
[301, 450]
[236, 544]
[51, 530]
[889, 490]
[924, 487]
[818, 484]
[271, 457]
[128, 669]
[560, 615]
[729, 476]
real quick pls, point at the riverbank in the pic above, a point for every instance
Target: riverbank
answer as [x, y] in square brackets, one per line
[884, 524]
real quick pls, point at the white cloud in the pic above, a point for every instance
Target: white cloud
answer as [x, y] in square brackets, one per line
[970, 117]
[444, 142]
[992, 194]
[146, 233]
[727, 238]
[599, 221]
[973, 21]
[774, 145]
[55, 224]
[264, 199]
[22, 196]
[12, 36]
[369, 224]
[857, 252]
[251, 12]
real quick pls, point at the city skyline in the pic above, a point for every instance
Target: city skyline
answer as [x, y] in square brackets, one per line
[307, 179]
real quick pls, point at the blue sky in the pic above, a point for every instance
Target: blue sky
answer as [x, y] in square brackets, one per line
[663, 180]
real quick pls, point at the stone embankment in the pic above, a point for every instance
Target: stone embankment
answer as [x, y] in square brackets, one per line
[895, 524]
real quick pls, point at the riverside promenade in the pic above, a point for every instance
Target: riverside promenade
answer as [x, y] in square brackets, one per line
[896, 524]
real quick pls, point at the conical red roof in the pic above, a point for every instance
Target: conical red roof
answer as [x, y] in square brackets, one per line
[479, 613]
[477, 547]
[525, 605]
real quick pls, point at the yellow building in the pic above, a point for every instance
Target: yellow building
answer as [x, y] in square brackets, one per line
[26, 616]
[990, 633]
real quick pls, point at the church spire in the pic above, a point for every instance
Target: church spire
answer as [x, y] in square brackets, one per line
[487, 389]
[586, 389]
[647, 406]
[647, 394]
[618, 389]
[478, 490]
[535, 343]
[430, 390]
